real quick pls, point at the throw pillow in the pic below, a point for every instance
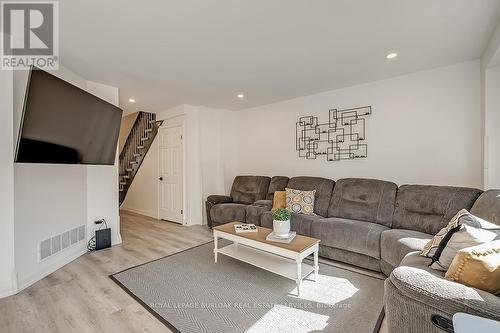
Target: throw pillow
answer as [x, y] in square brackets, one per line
[300, 202]
[279, 200]
[466, 236]
[464, 230]
[477, 266]
[431, 247]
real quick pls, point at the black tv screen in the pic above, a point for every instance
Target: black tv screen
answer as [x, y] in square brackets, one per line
[64, 124]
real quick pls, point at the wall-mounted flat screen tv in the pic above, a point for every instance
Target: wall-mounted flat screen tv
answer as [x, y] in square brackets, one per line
[63, 124]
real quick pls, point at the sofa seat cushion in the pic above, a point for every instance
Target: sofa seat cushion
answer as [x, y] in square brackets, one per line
[254, 212]
[351, 235]
[228, 212]
[395, 244]
[300, 223]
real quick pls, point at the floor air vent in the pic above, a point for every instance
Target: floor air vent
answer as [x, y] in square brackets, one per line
[58, 243]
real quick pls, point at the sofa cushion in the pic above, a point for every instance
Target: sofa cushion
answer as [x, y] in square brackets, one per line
[395, 244]
[228, 212]
[253, 213]
[351, 235]
[263, 203]
[363, 199]
[248, 189]
[487, 206]
[278, 183]
[348, 257]
[298, 222]
[427, 208]
[414, 259]
[323, 187]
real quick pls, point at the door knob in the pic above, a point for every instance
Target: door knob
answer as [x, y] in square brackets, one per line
[161, 178]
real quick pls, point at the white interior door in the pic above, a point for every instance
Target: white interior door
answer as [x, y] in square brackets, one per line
[171, 173]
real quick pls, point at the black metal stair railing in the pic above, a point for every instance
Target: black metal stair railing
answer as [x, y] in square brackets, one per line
[136, 147]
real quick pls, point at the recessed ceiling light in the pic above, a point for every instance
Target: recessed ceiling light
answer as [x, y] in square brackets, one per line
[131, 100]
[240, 96]
[391, 55]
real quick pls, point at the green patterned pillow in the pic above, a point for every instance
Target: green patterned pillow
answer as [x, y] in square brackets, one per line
[300, 202]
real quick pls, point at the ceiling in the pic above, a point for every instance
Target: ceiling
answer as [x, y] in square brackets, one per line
[204, 52]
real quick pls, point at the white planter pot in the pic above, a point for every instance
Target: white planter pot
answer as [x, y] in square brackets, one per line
[281, 228]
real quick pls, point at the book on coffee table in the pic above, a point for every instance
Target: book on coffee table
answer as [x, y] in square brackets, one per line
[240, 228]
[280, 239]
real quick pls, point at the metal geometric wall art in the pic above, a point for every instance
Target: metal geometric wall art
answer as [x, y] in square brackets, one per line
[342, 138]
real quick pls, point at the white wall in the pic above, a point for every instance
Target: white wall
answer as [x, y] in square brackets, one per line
[492, 126]
[49, 200]
[7, 261]
[425, 129]
[216, 155]
[52, 199]
[205, 160]
[490, 100]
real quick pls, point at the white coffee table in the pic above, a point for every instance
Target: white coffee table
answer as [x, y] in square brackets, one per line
[279, 258]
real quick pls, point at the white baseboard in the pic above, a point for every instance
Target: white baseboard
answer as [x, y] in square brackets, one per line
[140, 211]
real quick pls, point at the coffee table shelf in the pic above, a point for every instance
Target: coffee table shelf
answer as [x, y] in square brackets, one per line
[268, 261]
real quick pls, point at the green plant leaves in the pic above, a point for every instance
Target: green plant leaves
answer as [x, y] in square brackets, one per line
[281, 214]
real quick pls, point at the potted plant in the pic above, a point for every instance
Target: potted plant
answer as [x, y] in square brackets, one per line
[281, 222]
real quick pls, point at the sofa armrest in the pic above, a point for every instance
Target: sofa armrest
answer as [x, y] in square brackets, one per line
[429, 288]
[263, 203]
[218, 199]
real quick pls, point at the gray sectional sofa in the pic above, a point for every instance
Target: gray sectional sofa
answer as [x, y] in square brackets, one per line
[376, 225]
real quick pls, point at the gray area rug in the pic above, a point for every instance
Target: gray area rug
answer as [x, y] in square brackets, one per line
[190, 293]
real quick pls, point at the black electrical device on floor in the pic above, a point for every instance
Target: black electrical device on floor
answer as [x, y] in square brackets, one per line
[102, 238]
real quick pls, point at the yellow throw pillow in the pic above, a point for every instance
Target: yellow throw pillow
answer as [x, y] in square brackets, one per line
[279, 200]
[477, 266]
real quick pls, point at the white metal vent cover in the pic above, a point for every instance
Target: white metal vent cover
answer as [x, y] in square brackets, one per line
[58, 243]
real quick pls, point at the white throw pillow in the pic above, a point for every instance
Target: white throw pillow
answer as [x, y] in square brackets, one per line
[471, 231]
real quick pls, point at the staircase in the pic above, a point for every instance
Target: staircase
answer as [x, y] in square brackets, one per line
[135, 149]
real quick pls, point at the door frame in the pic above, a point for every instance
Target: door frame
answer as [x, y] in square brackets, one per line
[176, 121]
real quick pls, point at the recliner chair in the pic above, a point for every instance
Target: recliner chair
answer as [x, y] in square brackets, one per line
[245, 191]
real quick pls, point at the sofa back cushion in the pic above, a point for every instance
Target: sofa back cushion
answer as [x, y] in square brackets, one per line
[364, 199]
[323, 187]
[248, 189]
[487, 206]
[278, 183]
[427, 208]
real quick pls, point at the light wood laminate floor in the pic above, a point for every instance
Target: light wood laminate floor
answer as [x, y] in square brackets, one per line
[80, 297]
